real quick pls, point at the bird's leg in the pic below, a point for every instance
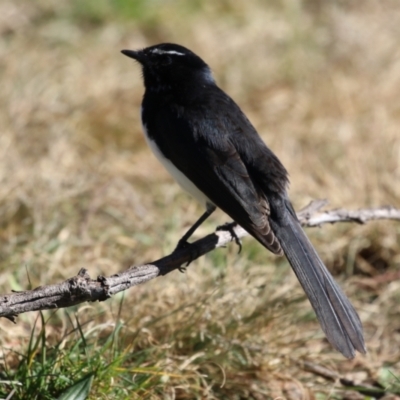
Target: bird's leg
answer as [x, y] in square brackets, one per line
[183, 242]
[230, 227]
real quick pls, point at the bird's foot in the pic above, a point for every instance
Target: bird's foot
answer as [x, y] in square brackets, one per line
[230, 227]
[193, 253]
[182, 244]
[182, 268]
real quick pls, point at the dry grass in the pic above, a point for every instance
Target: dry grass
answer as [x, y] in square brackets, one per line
[78, 187]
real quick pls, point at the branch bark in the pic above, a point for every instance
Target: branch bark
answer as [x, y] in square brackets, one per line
[82, 288]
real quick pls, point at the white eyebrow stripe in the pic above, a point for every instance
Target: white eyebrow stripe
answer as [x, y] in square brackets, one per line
[159, 51]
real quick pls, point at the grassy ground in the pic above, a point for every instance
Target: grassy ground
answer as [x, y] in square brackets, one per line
[78, 188]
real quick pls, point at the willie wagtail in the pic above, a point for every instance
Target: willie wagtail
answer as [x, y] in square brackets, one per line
[208, 145]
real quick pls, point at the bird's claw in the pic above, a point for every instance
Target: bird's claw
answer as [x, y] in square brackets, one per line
[182, 268]
[230, 227]
[193, 253]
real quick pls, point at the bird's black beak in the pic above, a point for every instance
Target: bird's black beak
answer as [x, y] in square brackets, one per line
[136, 55]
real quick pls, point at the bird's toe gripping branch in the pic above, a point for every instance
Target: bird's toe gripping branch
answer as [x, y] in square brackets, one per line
[193, 252]
[230, 227]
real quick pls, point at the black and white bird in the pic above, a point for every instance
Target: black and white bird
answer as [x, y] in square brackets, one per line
[208, 145]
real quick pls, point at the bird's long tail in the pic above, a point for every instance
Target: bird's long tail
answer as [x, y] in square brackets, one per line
[338, 318]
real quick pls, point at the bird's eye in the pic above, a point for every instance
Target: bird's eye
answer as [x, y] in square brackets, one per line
[166, 60]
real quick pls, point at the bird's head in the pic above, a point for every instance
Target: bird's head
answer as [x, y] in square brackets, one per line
[168, 65]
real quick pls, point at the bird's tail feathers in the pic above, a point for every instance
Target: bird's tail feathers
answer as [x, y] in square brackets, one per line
[337, 316]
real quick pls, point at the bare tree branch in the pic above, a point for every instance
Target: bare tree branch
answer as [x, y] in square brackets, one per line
[310, 215]
[82, 288]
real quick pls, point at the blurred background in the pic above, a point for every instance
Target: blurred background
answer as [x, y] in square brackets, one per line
[79, 188]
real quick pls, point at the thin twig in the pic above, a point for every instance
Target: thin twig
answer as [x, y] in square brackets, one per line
[82, 288]
[310, 215]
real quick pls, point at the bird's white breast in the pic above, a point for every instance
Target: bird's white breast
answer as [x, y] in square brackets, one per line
[182, 180]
